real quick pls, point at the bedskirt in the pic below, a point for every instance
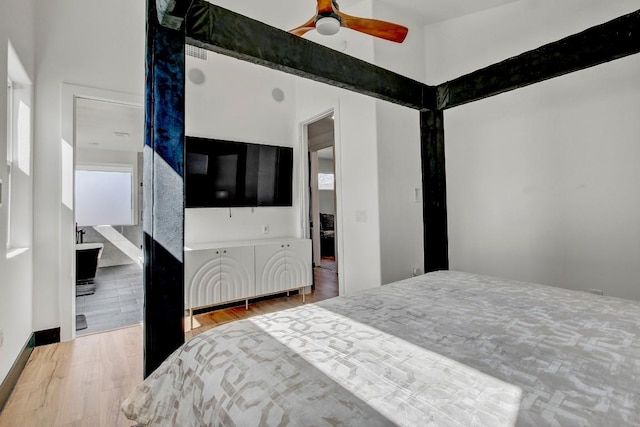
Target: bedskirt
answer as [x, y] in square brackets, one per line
[442, 349]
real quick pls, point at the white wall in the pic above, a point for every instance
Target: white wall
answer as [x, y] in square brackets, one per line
[356, 160]
[327, 198]
[399, 167]
[86, 156]
[79, 42]
[460, 46]
[17, 24]
[327, 202]
[400, 177]
[543, 181]
[356, 180]
[377, 160]
[235, 102]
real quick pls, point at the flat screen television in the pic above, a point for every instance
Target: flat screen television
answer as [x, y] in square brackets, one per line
[222, 174]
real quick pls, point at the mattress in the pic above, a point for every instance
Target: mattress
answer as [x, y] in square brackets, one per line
[442, 349]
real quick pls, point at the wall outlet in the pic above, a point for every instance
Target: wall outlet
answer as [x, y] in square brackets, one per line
[265, 229]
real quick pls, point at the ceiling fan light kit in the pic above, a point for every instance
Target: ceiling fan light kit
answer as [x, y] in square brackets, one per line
[328, 25]
[328, 20]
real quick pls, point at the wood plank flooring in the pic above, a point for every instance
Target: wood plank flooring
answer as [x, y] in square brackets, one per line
[326, 287]
[83, 382]
[77, 383]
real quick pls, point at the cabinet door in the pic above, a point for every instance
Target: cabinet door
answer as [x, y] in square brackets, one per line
[298, 256]
[236, 274]
[271, 268]
[283, 266]
[213, 276]
[201, 274]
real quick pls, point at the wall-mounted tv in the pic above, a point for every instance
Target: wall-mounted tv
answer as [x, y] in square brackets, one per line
[222, 174]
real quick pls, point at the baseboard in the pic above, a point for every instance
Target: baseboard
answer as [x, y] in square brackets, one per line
[14, 373]
[48, 336]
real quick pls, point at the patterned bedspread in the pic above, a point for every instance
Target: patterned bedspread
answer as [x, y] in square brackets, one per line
[443, 349]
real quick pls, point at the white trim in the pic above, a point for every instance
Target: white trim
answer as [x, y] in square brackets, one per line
[304, 178]
[105, 167]
[10, 149]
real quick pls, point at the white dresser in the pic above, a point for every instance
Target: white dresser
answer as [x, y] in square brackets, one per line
[222, 272]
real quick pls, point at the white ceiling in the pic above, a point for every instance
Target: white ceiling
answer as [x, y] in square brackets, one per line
[432, 11]
[108, 126]
[286, 14]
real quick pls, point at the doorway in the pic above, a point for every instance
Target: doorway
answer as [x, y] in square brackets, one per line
[322, 203]
[108, 198]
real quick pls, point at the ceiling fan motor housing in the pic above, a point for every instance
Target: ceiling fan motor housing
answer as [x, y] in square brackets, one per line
[328, 23]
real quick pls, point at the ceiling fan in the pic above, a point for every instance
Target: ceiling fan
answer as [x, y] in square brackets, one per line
[328, 20]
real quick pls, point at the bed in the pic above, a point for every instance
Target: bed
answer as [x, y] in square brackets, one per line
[441, 349]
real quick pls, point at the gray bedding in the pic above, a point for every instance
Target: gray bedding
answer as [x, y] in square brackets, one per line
[443, 349]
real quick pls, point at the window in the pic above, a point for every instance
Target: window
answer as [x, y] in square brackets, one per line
[104, 195]
[18, 186]
[326, 181]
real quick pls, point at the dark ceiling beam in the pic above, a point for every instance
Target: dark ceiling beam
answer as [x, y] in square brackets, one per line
[171, 13]
[220, 30]
[603, 43]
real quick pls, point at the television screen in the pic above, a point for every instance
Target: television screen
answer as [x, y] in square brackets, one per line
[236, 174]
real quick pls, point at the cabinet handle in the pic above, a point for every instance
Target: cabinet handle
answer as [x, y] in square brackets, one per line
[282, 246]
[217, 252]
[288, 246]
[224, 252]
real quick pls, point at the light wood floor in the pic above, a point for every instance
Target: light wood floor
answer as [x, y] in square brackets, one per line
[83, 382]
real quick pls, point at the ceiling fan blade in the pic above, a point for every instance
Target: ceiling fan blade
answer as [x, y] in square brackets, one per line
[324, 6]
[304, 28]
[382, 29]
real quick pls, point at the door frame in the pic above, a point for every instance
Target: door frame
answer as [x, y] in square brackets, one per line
[305, 199]
[67, 280]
